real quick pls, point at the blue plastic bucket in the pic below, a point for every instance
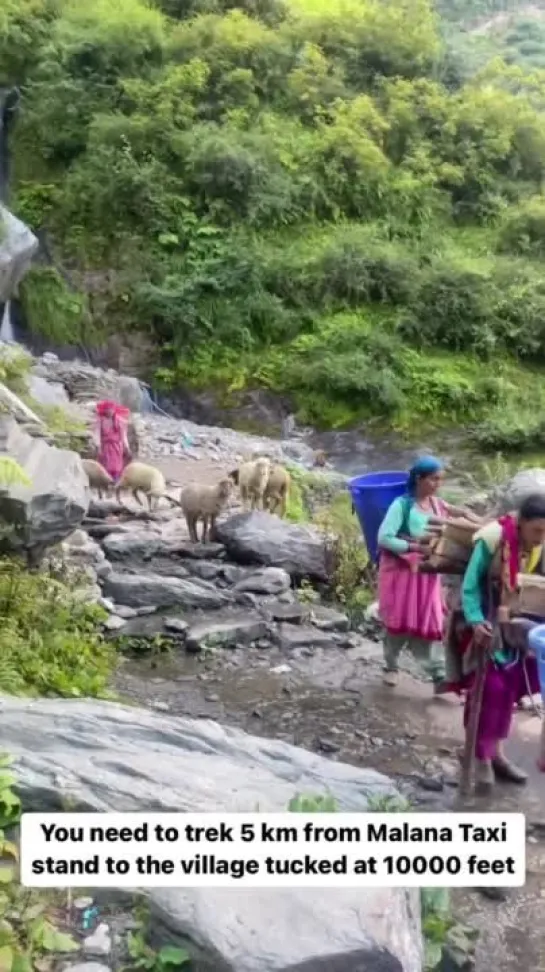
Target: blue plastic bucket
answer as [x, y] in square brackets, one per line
[371, 495]
[536, 640]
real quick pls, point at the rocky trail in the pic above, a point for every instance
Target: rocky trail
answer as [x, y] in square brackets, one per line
[242, 689]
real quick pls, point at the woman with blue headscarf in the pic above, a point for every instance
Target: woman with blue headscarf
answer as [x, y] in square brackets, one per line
[411, 604]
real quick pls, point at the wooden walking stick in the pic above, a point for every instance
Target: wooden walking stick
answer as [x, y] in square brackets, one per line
[475, 707]
[476, 702]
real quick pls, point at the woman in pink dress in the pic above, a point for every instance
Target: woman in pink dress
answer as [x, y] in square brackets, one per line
[111, 435]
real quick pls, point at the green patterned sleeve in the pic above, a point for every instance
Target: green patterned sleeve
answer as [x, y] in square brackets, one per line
[390, 527]
[475, 574]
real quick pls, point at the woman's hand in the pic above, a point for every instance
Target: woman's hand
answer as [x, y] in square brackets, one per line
[482, 634]
[419, 546]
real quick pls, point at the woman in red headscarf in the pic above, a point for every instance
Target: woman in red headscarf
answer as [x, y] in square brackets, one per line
[111, 435]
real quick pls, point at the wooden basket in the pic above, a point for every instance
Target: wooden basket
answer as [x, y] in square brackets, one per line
[450, 552]
[530, 597]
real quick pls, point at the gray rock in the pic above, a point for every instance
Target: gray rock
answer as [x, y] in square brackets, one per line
[86, 967]
[146, 590]
[328, 620]
[176, 624]
[145, 543]
[205, 569]
[509, 496]
[17, 248]
[114, 623]
[182, 765]
[50, 394]
[261, 538]
[107, 604]
[55, 503]
[268, 580]
[344, 930]
[228, 631]
[125, 612]
[83, 382]
[293, 613]
[199, 551]
[303, 636]
[165, 566]
[99, 943]
[80, 548]
[103, 569]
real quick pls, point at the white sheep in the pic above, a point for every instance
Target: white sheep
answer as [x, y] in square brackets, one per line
[204, 503]
[277, 490]
[138, 477]
[251, 479]
[99, 479]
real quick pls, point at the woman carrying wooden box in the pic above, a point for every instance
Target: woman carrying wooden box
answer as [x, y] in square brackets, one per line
[411, 603]
[503, 550]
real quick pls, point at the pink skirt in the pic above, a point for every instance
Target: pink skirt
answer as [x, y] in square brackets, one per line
[410, 603]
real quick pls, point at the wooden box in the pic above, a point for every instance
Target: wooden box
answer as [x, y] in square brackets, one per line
[530, 597]
[451, 550]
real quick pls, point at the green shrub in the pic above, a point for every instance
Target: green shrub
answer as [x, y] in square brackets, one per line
[511, 432]
[49, 640]
[351, 274]
[15, 366]
[523, 229]
[52, 309]
[453, 308]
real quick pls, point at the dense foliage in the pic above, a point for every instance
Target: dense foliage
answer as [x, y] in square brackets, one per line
[322, 197]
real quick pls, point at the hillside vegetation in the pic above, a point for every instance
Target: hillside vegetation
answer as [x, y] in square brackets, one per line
[317, 196]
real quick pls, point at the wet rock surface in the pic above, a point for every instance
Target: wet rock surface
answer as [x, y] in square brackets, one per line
[179, 764]
[259, 538]
[56, 501]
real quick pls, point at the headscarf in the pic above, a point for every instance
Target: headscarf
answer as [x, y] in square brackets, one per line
[425, 466]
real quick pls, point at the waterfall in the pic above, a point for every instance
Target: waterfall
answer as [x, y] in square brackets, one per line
[7, 334]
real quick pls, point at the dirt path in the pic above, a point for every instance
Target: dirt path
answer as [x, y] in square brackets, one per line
[333, 701]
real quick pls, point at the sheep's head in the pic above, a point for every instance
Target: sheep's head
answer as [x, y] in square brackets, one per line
[225, 487]
[263, 466]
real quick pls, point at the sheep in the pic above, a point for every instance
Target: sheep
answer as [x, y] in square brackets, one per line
[277, 490]
[204, 503]
[251, 479]
[141, 478]
[99, 479]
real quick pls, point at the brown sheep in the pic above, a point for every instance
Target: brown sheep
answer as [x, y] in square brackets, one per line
[99, 479]
[251, 479]
[204, 503]
[141, 478]
[277, 490]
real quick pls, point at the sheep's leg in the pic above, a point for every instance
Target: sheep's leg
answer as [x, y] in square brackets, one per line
[118, 496]
[284, 503]
[212, 527]
[136, 495]
[205, 528]
[244, 498]
[99, 493]
[191, 521]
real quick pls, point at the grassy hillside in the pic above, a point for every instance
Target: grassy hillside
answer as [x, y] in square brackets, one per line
[320, 197]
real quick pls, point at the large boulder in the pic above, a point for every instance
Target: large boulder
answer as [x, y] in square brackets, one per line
[55, 503]
[260, 538]
[83, 382]
[509, 496]
[159, 590]
[136, 760]
[17, 248]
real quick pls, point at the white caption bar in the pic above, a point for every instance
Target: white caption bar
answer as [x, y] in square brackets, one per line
[273, 850]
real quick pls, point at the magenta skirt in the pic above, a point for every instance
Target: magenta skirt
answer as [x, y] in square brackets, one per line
[410, 603]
